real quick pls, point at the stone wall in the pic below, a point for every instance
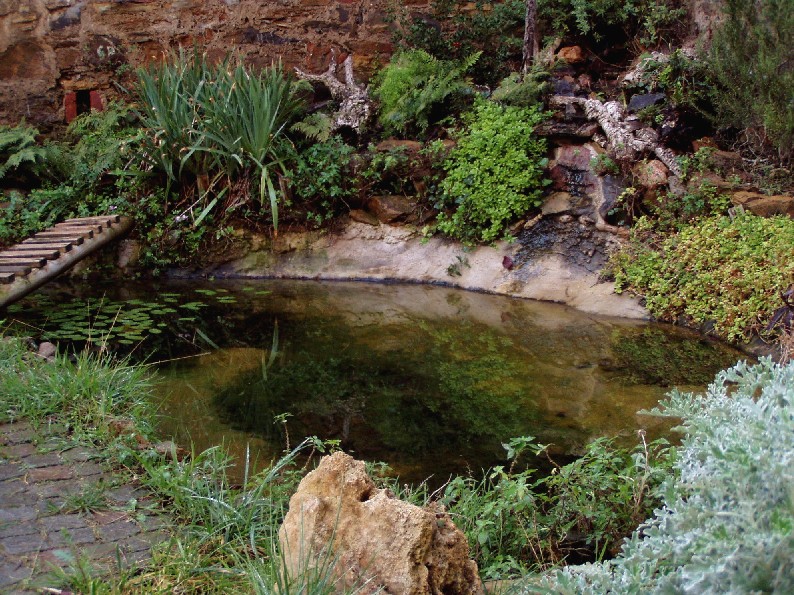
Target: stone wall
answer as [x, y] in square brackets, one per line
[50, 48]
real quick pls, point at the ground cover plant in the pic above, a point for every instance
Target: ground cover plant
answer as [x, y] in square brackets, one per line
[727, 271]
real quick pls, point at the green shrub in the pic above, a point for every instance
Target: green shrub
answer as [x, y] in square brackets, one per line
[455, 31]
[415, 90]
[731, 272]
[647, 22]
[727, 524]
[516, 522]
[89, 173]
[751, 61]
[323, 178]
[494, 173]
[523, 91]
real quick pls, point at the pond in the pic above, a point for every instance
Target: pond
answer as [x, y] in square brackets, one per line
[430, 380]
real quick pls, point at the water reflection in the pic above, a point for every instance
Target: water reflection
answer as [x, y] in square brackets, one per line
[430, 380]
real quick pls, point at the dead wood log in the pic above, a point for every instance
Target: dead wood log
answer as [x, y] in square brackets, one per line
[355, 106]
[622, 141]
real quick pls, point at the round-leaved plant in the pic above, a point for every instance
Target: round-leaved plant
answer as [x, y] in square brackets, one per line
[494, 173]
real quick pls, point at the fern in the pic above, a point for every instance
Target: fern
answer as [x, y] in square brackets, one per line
[414, 84]
[317, 126]
[20, 152]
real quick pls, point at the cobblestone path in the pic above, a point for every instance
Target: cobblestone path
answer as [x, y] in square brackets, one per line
[59, 504]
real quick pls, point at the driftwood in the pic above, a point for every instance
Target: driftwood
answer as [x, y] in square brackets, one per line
[622, 141]
[354, 104]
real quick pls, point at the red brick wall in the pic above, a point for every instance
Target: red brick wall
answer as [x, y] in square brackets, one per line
[49, 48]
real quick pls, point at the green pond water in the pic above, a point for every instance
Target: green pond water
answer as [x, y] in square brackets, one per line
[430, 380]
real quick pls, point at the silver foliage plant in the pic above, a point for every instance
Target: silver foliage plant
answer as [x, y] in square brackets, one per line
[727, 524]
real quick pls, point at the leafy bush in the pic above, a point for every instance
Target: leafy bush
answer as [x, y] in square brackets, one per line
[494, 173]
[516, 522]
[687, 81]
[413, 86]
[454, 31]
[84, 175]
[726, 525]
[323, 178]
[751, 61]
[209, 125]
[731, 272]
[523, 91]
[646, 21]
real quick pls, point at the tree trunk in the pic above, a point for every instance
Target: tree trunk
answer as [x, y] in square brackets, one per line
[530, 35]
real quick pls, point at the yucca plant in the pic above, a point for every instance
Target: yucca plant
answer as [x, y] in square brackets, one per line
[247, 123]
[212, 124]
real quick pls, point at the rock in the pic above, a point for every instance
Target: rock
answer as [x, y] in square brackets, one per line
[764, 206]
[571, 171]
[364, 217]
[374, 542]
[571, 54]
[391, 207]
[700, 179]
[169, 450]
[703, 142]
[727, 162]
[651, 174]
[47, 350]
[129, 253]
[409, 146]
[402, 254]
[558, 202]
[642, 101]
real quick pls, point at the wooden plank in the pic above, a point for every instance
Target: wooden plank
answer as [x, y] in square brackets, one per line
[60, 239]
[69, 234]
[29, 261]
[77, 228]
[14, 253]
[19, 269]
[6, 278]
[96, 219]
[28, 245]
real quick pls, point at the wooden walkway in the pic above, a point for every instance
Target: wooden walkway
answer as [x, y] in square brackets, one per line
[39, 259]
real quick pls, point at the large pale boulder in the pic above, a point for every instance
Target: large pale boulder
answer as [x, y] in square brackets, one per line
[373, 542]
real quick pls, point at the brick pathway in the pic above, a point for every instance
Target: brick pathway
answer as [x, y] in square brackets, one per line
[58, 503]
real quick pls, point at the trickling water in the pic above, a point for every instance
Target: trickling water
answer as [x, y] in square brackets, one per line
[428, 379]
